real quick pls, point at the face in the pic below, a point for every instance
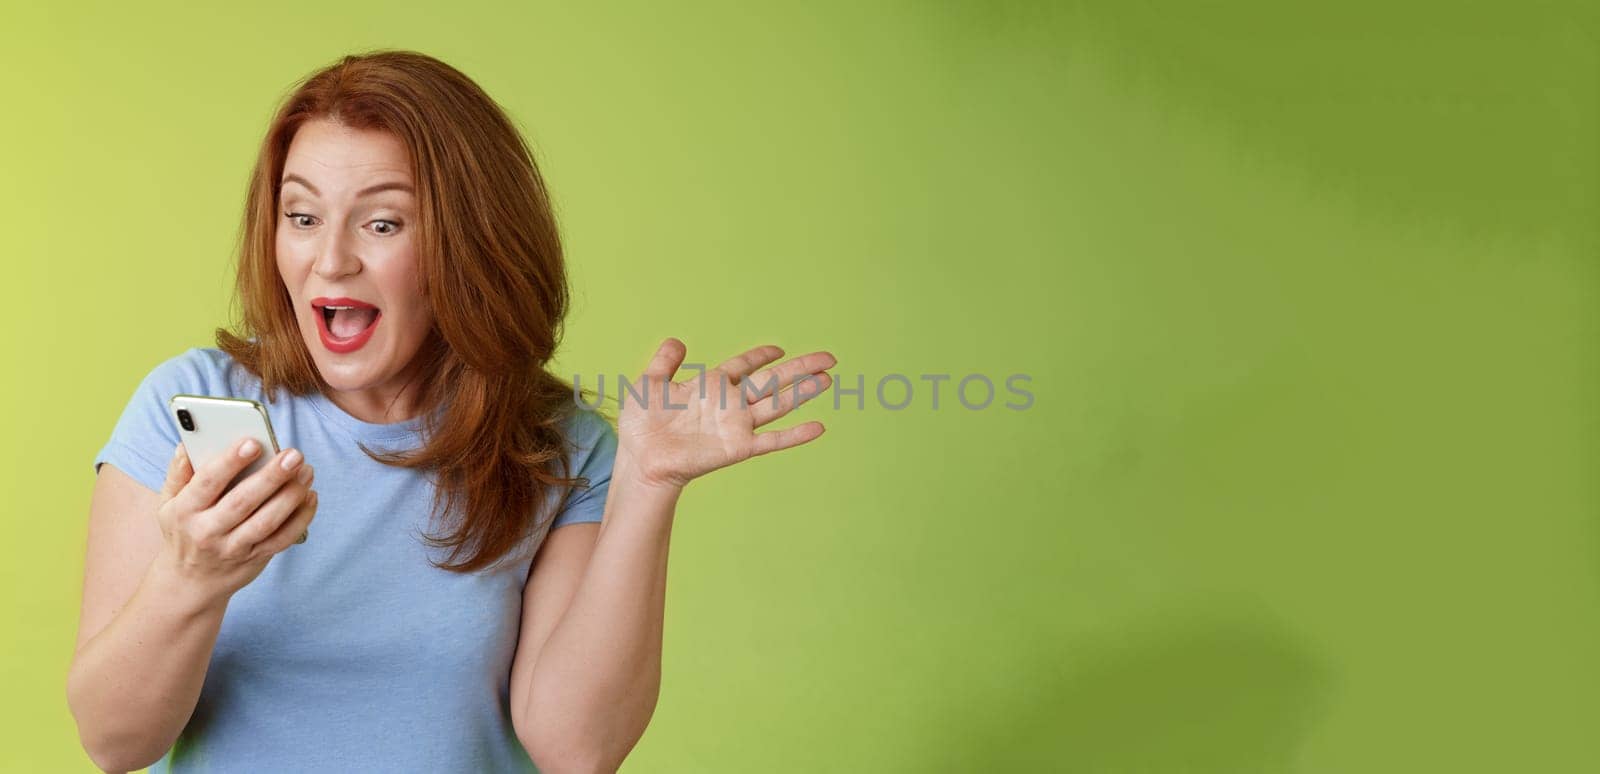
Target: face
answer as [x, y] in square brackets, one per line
[346, 239]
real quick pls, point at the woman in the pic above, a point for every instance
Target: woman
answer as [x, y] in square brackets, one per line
[484, 588]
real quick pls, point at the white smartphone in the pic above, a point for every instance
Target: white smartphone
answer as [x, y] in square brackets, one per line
[211, 426]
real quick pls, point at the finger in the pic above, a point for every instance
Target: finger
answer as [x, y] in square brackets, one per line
[805, 388]
[784, 375]
[775, 440]
[179, 471]
[266, 519]
[213, 477]
[667, 359]
[245, 497]
[740, 366]
[292, 531]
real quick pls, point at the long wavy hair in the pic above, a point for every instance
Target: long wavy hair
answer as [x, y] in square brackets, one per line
[492, 270]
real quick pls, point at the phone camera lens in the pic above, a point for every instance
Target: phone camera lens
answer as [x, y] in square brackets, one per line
[186, 420]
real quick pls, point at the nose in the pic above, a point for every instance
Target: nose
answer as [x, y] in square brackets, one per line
[337, 257]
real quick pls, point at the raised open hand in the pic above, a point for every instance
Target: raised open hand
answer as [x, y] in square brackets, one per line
[670, 432]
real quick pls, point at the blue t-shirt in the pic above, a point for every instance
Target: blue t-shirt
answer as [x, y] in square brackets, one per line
[351, 652]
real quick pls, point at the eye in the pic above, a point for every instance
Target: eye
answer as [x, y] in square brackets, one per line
[294, 218]
[393, 227]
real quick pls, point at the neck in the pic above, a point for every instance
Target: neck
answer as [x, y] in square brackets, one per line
[389, 403]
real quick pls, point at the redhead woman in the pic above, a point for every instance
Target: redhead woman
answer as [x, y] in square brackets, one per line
[452, 564]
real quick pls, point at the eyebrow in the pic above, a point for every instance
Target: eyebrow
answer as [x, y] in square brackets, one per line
[390, 186]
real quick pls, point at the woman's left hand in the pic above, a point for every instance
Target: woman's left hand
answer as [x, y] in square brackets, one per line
[708, 421]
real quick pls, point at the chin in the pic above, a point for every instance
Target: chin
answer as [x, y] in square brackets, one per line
[343, 384]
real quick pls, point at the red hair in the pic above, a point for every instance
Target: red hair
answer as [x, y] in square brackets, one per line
[491, 269]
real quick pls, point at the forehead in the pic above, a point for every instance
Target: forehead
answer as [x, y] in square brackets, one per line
[334, 156]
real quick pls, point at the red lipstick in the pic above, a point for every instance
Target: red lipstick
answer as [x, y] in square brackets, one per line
[334, 343]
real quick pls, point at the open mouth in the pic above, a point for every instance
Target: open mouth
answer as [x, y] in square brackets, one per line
[345, 324]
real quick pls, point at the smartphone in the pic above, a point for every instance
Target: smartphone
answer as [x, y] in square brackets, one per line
[210, 427]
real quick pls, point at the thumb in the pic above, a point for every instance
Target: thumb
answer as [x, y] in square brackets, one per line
[179, 471]
[667, 359]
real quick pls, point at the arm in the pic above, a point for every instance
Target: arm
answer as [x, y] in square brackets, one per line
[167, 631]
[587, 672]
[587, 689]
[158, 573]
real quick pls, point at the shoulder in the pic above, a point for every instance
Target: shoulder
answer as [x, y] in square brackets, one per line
[592, 453]
[584, 427]
[202, 371]
[591, 439]
[144, 434]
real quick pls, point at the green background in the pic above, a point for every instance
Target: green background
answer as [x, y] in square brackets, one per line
[1308, 297]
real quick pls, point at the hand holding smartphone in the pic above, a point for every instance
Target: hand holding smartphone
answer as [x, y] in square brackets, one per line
[212, 426]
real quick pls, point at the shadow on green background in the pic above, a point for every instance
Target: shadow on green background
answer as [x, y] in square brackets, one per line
[1308, 300]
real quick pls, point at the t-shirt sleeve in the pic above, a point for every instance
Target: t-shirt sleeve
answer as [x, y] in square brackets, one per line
[142, 441]
[596, 452]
